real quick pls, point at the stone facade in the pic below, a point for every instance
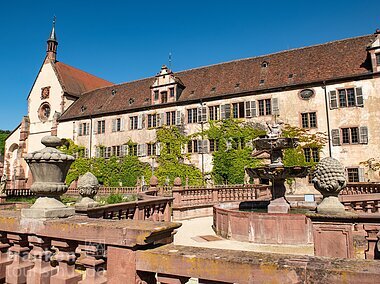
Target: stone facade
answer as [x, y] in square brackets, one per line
[338, 93]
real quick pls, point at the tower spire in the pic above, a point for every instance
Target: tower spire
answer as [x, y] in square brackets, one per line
[52, 43]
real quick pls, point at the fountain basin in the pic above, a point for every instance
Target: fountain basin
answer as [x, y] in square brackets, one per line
[261, 228]
[278, 172]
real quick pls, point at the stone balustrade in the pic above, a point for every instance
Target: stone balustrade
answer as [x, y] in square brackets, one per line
[362, 203]
[130, 252]
[190, 202]
[361, 188]
[152, 208]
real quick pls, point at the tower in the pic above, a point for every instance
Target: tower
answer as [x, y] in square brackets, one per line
[52, 43]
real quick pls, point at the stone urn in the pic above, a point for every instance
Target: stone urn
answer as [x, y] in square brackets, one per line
[88, 186]
[49, 168]
[329, 180]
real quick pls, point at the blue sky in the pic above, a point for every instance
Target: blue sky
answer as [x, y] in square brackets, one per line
[127, 40]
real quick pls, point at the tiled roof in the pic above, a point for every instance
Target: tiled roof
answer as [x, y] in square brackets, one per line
[327, 61]
[76, 82]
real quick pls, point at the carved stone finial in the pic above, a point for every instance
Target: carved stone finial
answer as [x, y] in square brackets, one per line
[177, 181]
[153, 182]
[88, 185]
[329, 180]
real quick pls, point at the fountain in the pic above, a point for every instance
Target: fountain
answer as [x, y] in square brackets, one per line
[276, 171]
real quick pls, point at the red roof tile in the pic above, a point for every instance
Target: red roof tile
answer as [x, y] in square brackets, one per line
[76, 82]
[309, 64]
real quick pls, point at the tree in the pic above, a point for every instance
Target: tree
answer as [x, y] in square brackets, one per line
[3, 136]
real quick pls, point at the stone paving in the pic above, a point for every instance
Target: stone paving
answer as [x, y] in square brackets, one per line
[199, 233]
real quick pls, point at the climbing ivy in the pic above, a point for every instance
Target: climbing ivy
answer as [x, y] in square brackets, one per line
[234, 151]
[172, 160]
[115, 171]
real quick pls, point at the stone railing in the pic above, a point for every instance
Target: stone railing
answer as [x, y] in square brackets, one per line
[151, 207]
[366, 203]
[130, 252]
[361, 188]
[193, 202]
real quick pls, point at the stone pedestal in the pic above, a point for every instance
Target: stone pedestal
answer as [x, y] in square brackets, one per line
[331, 205]
[47, 207]
[279, 205]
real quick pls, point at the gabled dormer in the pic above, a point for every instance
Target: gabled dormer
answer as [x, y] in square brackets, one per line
[166, 88]
[374, 51]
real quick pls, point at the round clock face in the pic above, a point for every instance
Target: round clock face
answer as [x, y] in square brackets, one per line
[44, 112]
[306, 94]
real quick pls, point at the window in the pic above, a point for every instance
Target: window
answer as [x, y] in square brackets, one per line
[164, 97]
[225, 111]
[151, 149]
[116, 151]
[192, 115]
[350, 135]
[152, 120]
[378, 59]
[311, 154]
[84, 129]
[117, 125]
[171, 92]
[170, 118]
[214, 112]
[214, 145]
[156, 95]
[238, 110]
[133, 122]
[101, 126]
[349, 97]
[353, 174]
[132, 150]
[309, 120]
[192, 146]
[265, 107]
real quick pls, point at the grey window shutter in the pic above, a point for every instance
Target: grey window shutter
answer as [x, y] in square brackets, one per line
[161, 118]
[124, 150]
[122, 124]
[223, 112]
[183, 149]
[363, 135]
[227, 110]
[113, 125]
[158, 148]
[205, 146]
[139, 150]
[139, 122]
[228, 144]
[178, 117]
[275, 108]
[199, 114]
[248, 112]
[143, 150]
[361, 175]
[87, 128]
[80, 129]
[253, 109]
[335, 137]
[97, 152]
[95, 127]
[333, 100]
[359, 97]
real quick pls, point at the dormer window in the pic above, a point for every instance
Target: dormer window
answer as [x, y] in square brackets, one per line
[164, 97]
[264, 64]
[171, 92]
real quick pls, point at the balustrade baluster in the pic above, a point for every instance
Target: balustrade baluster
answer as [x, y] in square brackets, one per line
[369, 206]
[42, 270]
[377, 206]
[17, 270]
[372, 239]
[94, 264]
[4, 255]
[66, 263]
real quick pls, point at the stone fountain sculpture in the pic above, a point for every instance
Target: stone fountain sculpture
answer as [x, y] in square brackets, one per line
[49, 168]
[329, 180]
[276, 171]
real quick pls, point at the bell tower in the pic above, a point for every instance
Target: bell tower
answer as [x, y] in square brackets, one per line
[52, 43]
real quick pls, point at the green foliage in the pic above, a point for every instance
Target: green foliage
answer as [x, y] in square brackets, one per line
[171, 159]
[229, 163]
[3, 136]
[114, 171]
[114, 198]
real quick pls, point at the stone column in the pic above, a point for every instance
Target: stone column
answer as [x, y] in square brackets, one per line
[4, 255]
[94, 264]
